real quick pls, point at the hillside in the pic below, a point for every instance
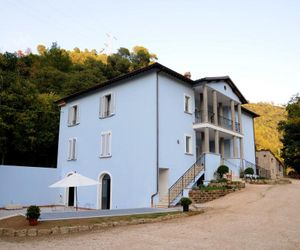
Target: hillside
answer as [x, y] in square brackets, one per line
[266, 133]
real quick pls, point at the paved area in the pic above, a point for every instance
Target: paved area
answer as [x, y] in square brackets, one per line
[259, 217]
[102, 213]
[61, 213]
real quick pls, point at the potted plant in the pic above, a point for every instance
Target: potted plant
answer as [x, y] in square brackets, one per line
[32, 214]
[185, 202]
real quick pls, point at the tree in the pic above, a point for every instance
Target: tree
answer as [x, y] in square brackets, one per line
[291, 134]
[140, 57]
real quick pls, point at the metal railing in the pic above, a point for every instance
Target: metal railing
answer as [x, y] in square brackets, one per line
[222, 121]
[190, 175]
[260, 171]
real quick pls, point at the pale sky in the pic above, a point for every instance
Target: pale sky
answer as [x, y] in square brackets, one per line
[255, 42]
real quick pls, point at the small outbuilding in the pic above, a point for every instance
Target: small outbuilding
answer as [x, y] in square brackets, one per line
[269, 165]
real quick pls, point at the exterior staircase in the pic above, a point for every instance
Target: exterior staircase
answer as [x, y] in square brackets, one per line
[186, 181]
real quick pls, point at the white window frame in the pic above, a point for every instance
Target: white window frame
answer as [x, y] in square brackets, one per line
[189, 111]
[71, 113]
[190, 144]
[103, 105]
[72, 149]
[105, 146]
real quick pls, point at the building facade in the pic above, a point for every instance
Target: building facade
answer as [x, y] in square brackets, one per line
[151, 134]
[269, 165]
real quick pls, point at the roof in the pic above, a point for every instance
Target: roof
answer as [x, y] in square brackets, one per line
[158, 68]
[155, 66]
[226, 79]
[249, 112]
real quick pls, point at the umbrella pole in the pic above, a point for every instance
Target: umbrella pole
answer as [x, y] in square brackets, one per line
[76, 199]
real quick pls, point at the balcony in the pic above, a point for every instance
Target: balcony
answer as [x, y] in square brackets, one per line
[222, 121]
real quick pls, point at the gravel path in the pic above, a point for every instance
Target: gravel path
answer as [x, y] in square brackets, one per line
[259, 217]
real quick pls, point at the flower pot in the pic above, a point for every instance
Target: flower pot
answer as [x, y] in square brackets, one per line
[185, 208]
[33, 222]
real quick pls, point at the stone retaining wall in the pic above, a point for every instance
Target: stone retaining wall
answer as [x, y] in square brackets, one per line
[33, 232]
[202, 196]
[268, 181]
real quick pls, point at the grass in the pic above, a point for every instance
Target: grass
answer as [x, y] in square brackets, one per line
[20, 222]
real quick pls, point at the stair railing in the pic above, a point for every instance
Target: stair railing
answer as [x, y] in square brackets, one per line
[188, 176]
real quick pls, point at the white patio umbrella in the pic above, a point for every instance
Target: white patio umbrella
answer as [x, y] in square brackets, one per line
[74, 180]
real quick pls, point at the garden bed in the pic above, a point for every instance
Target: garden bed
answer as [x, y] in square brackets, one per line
[17, 226]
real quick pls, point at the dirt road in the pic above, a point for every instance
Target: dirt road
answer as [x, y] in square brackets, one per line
[259, 217]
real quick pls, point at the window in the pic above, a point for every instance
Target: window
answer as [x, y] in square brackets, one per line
[188, 144]
[73, 115]
[105, 150]
[107, 105]
[187, 104]
[72, 149]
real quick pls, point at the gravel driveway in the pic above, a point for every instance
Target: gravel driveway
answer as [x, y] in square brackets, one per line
[258, 217]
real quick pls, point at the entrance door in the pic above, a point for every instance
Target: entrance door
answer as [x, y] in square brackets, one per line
[105, 199]
[71, 196]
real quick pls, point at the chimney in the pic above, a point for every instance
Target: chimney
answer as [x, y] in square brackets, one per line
[187, 75]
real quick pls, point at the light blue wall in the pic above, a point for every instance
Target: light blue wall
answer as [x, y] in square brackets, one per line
[212, 162]
[249, 142]
[28, 186]
[174, 124]
[133, 163]
[219, 86]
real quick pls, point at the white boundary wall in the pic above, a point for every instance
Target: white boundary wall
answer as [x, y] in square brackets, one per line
[28, 185]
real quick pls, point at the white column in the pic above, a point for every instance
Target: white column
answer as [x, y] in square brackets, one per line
[222, 147]
[216, 141]
[205, 104]
[240, 117]
[242, 148]
[215, 107]
[235, 155]
[232, 114]
[206, 140]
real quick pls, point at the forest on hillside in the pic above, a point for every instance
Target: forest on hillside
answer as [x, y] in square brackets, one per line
[267, 135]
[30, 83]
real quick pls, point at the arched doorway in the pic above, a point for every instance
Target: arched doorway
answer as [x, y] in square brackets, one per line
[70, 194]
[104, 191]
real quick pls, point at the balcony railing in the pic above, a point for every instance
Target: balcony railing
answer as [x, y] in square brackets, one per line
[222, 121]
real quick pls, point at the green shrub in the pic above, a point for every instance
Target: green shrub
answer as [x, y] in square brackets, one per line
[33, 212]
[249, 171]
[185, 201]
[223, 169]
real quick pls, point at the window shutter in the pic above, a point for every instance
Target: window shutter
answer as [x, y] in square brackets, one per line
[74, 149]
[102, 106]
[77, 114]
[112, 104]
[70, 144]
[108, 144]
[102, 145]
[70, 116]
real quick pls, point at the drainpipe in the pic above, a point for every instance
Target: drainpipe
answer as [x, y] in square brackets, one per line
[157, 137]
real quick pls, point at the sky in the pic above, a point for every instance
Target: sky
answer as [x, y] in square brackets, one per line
[255, 42]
